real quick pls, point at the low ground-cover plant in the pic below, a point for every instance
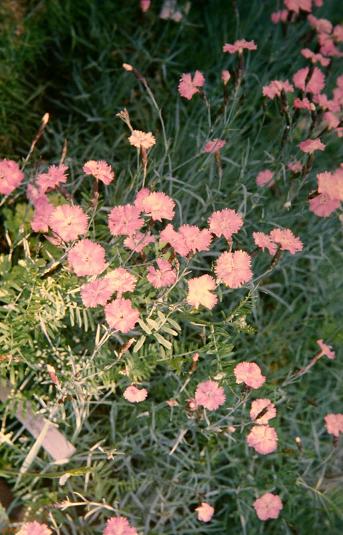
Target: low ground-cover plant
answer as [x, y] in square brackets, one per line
[135, 305]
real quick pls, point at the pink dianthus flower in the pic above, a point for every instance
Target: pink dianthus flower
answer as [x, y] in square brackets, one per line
[279, 16]
[315, 84]
[41, 215]
[195, 239]
[268, 506]
[326, 350]
[334, 424]
[323, 206]
[134, 394]
[204, 511]
[239, 46]
[297, 5]
[11, 176]
[225, 223]
[119, 526]
[264, 241]
[234, 269]
[286, 239]
[303, 104]
[121, 315]
[162, 277]
[263, 439]
[295, 166]
[87, 258]
[121, 281]
[214, 145]
[250, 374]
[158, 206]
[68, 222]
[265, 178]
[100, 169]
[125, 220]
[138, 241]
[309, 146]
[331, 184]
[200, 292]
[262, 410]
[55, 175]
[34, 528]
[275, 88]
[210, 395]
[315, 58]
[188, 86]
[96, 292]
[226, 76]
[320, 25]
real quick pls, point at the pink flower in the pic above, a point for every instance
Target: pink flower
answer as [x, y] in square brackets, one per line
[96, 292]
[286, 240]
[268, 506]
[100, 169]
[265, 178]
[297, 5]
[188, 86]
[325, 103]
[334, 424]
[239, 46]
[331, 184]
[234, 269]
[320, 25]
[250, 374]
[263, 439]
[55, 175]
[263, 241]
[34, 528]
[338, 33]
[41, 215]
[119, 526]
[214, 146]
[11, 176]
[315, 58]
[205, 512]
[163, 276]
[138, 241]
[309, 146]
[328, 47]
[275, 88]
[158, 206]
[68, 222]
[121, 315]
[303, 104]
[199, 292]
[121, 281]
[262, 410]
[226, 76]
[210, 395]
[141, 195]
[134, 394]
[330, 120]
[323, 206]
[124, 220]
[142, 140]
[295, 167]
[171, 236]
[145, 5]
[326, 350]
[279, 16]
[189, 238]
[225, 223]
[315, 84]
[87, 258]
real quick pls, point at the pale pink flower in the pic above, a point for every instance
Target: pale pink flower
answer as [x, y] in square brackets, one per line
[297, 5]
[68, 222]
[204, 511]
[55, 175]
[188, 86]
[262, 410]
[200, 292]
[34, 528]
[331, 120]
[320, 25]
[171, 236]
[125, 220]
[226, 76]
[334, 424]
[162, 277]
[214, 146]
[41, 215]
[263, 241]
[138, 241]
[275, 88]
[268, 506]
[338, 33]
[323, 206]
[326, 104]
[145, 5]
[250, 374]
[315, 84]
[142, 140]
[265, 178]
[33, 193]
[134, 394]
[121, 281]
[96, 292]
[121, 315]
[119, 526]
[195, 239]
[263, 439]
[11, 176]
[239, 46]
[328, 47]
[210, 395]
[309, 146]
[158, 206]
[315, 58]
[303, 104]
[295, 166]
[100, 169]
[286, 240]
[326, 350]
[225, 223]
[331, 184]
[141, 195]
[87, 258]
[234, 269]
[279, 16]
